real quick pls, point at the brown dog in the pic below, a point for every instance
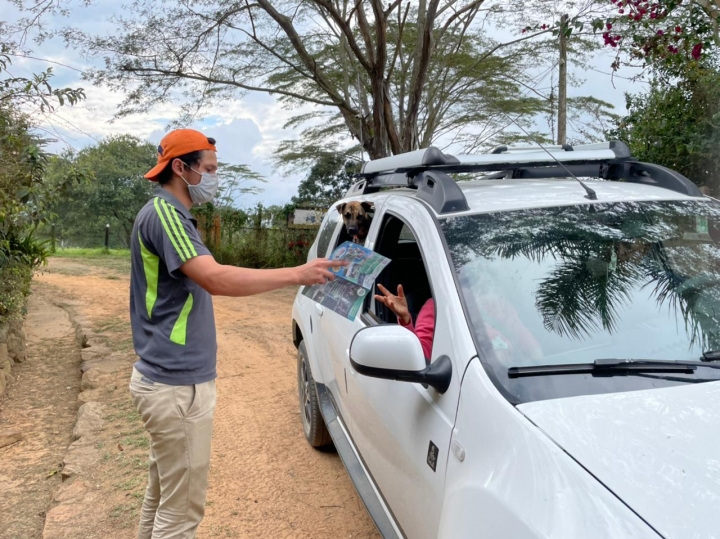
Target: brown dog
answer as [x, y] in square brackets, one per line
[357, 219]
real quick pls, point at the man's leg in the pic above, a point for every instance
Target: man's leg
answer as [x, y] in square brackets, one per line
[179, 421]
[151, 501]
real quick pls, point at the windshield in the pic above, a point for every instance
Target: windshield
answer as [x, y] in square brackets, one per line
[574, 284]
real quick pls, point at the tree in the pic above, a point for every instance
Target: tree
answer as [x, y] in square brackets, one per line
[676, 123]
[329, 179]
[115, 189]
[394, 76]
[25, 196]
[662, 32]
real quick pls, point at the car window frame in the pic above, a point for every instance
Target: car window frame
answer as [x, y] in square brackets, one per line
[367, 314]
[331, 215]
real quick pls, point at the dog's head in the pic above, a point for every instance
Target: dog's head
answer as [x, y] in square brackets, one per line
[356, 216]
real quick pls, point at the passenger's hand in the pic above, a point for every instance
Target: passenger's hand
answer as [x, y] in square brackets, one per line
[317, 271]
[397, 304]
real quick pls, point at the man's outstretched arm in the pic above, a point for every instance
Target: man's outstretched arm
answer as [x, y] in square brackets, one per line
[221, 280]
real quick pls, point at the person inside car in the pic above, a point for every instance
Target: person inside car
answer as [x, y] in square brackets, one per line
[424, 326]
[502, 326]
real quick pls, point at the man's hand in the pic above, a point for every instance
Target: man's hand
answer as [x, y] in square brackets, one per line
[317, 271]
[397, 304]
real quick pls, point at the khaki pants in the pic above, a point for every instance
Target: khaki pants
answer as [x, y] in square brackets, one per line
[179, 421]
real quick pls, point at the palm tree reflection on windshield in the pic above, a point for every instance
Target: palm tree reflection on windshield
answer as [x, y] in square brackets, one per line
[599, 256]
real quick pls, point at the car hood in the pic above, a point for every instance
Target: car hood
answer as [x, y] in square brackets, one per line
[657, 450]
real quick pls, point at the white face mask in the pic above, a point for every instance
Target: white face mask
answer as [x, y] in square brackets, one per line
[204, 191]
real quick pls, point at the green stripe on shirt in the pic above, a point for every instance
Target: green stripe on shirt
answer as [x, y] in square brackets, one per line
[179, 331]
[151, 265]
[183, 234]
[176, 226]
[168, 230]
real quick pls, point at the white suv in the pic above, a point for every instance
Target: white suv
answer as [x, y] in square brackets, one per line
[572, 389]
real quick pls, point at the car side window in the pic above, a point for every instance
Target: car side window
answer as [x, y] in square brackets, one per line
[407, 268]
[326, 232]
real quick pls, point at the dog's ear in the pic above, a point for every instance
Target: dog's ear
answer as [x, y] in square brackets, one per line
[368, 206]
[341, 208]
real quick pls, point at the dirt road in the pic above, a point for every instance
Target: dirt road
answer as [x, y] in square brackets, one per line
[265, 481]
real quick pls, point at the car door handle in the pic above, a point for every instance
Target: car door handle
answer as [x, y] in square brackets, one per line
[319, 309]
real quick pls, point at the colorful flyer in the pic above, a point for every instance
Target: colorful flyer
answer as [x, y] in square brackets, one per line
[346, 294]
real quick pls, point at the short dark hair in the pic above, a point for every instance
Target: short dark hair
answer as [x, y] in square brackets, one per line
[190, 159]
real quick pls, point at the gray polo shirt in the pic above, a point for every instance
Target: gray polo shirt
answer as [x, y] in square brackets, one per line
[172, 318]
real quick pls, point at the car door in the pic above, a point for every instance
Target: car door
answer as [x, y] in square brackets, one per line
[402, 430]
[336, 331]
[318, 348]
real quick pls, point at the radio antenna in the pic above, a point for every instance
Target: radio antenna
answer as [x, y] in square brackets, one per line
[591, 195]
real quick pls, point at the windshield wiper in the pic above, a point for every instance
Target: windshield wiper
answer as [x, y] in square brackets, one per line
[610, 367]
[711, 355]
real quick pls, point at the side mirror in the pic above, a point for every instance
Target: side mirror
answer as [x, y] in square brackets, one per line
[393, 353]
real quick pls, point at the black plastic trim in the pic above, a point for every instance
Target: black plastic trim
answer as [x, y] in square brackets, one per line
[354, 467]
[438, 374]
[433, 156]
[662, 177]
[620, 149]
[440, 191]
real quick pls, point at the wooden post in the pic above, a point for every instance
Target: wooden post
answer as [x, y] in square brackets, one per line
[107, 237]
[216, 231]
[562, 83]
[52, 238]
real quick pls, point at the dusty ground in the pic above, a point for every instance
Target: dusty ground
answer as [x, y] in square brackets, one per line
[41, 403]
[265, 480]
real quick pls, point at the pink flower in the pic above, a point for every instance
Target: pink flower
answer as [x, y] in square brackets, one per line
[697, 51]
[660, 33]
[678, 29]
[609, 26]
[653, 15]
[621, 11]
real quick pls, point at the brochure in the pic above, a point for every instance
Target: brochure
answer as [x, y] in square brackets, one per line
[345, 295]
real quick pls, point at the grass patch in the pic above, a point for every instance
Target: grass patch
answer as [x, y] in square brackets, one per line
[117, 260]
[92, 253]
[136, 441]
[131, 484]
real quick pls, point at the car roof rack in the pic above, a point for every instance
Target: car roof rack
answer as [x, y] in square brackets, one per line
[427, 170]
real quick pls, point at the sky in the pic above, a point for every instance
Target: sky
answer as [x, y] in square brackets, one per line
[247, 129]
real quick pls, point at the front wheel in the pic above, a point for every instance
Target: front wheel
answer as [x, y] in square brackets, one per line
[313, 423]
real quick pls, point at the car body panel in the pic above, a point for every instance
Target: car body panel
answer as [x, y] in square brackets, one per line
[658, 450]
[393, 424]
[515, 482]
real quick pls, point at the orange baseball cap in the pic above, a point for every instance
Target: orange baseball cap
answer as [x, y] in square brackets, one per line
[175, 144]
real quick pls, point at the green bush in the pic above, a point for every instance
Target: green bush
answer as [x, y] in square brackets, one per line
[265, 248]
[14, 287]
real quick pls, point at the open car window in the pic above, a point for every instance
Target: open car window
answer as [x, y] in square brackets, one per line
[397, 242]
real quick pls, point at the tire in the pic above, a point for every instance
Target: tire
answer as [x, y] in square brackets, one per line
[313, 423]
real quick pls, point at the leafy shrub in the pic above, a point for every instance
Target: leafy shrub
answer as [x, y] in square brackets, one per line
[14, 287]
[265, 248]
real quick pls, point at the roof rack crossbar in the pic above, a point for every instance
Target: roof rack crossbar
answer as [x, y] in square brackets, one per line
[427, 170]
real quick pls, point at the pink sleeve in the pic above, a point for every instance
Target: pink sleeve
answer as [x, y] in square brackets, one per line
[424, 329]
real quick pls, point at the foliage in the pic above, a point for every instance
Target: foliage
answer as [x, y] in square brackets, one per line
[328, 180]
[668, 33]
[113, 190]
[25, 196]
[14, 287]
[35, 90]
[676, 123]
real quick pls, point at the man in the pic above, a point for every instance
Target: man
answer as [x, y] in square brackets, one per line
[173, 326]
